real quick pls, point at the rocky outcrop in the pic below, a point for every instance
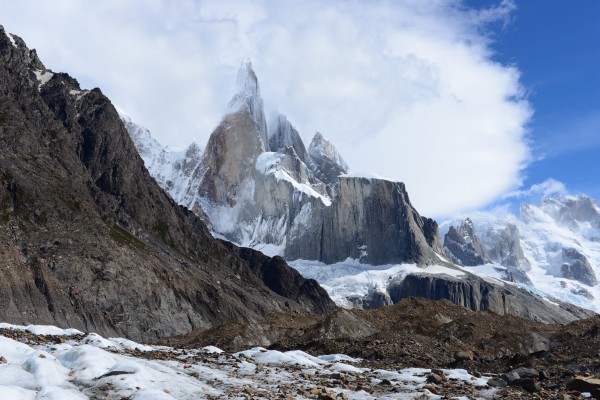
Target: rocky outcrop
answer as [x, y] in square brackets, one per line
[576, 266]
[88, 239]
[463, 245]
[282, 134]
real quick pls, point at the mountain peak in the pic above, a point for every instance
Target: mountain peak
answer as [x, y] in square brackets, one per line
[247, 82]
[248, 98]
[321, 147]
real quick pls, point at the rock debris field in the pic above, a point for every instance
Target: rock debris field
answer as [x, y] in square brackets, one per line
[43, 362]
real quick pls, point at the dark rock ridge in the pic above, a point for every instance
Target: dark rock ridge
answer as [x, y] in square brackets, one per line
[370, 220]
[477, 294]
[89, 240]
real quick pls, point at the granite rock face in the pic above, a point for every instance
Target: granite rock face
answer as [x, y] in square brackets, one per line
[373, 221]
[498, 244]
[89, 240]
[505, 248]
[329, 164]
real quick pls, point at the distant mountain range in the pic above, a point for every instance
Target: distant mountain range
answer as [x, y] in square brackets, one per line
[552, 248]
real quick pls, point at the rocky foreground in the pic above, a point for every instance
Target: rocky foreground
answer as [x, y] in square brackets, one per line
[417, 349]
[523, 359]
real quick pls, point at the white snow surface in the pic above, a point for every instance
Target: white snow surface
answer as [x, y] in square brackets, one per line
[91, 367]
[12, 40]
[43, 77]
[544, 230]
[365, 175]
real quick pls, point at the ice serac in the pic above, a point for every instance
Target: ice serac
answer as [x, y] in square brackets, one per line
[89, 240]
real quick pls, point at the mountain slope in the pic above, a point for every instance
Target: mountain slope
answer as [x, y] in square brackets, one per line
[87, 237]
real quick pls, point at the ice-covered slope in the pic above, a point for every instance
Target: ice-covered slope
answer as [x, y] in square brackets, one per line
[553, 248]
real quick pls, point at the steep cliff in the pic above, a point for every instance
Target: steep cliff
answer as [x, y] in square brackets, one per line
[89, 240]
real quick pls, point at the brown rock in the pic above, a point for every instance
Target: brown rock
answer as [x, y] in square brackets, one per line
[585, 384]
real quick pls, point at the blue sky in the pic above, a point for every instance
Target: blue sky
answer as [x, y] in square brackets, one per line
[471, 103]
[555, 44]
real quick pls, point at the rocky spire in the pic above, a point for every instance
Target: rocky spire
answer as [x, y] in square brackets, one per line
[248, 97]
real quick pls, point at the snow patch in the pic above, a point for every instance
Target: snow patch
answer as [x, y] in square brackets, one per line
[80, 369]
[12, 40]
[43, 77]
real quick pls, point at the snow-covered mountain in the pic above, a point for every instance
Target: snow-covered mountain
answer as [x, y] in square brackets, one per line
[260, 187]
[553, 248]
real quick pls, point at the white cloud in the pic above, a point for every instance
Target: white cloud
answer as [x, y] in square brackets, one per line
[539, 191]
[406, 89]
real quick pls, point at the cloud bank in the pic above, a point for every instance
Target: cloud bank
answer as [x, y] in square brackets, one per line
[407, 89]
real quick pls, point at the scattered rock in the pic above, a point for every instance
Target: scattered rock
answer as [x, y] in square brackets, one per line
[463, 355]
[526, 383]
[435, 378]
[496, 383]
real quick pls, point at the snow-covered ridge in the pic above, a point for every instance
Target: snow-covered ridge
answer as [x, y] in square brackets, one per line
[72, 366]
